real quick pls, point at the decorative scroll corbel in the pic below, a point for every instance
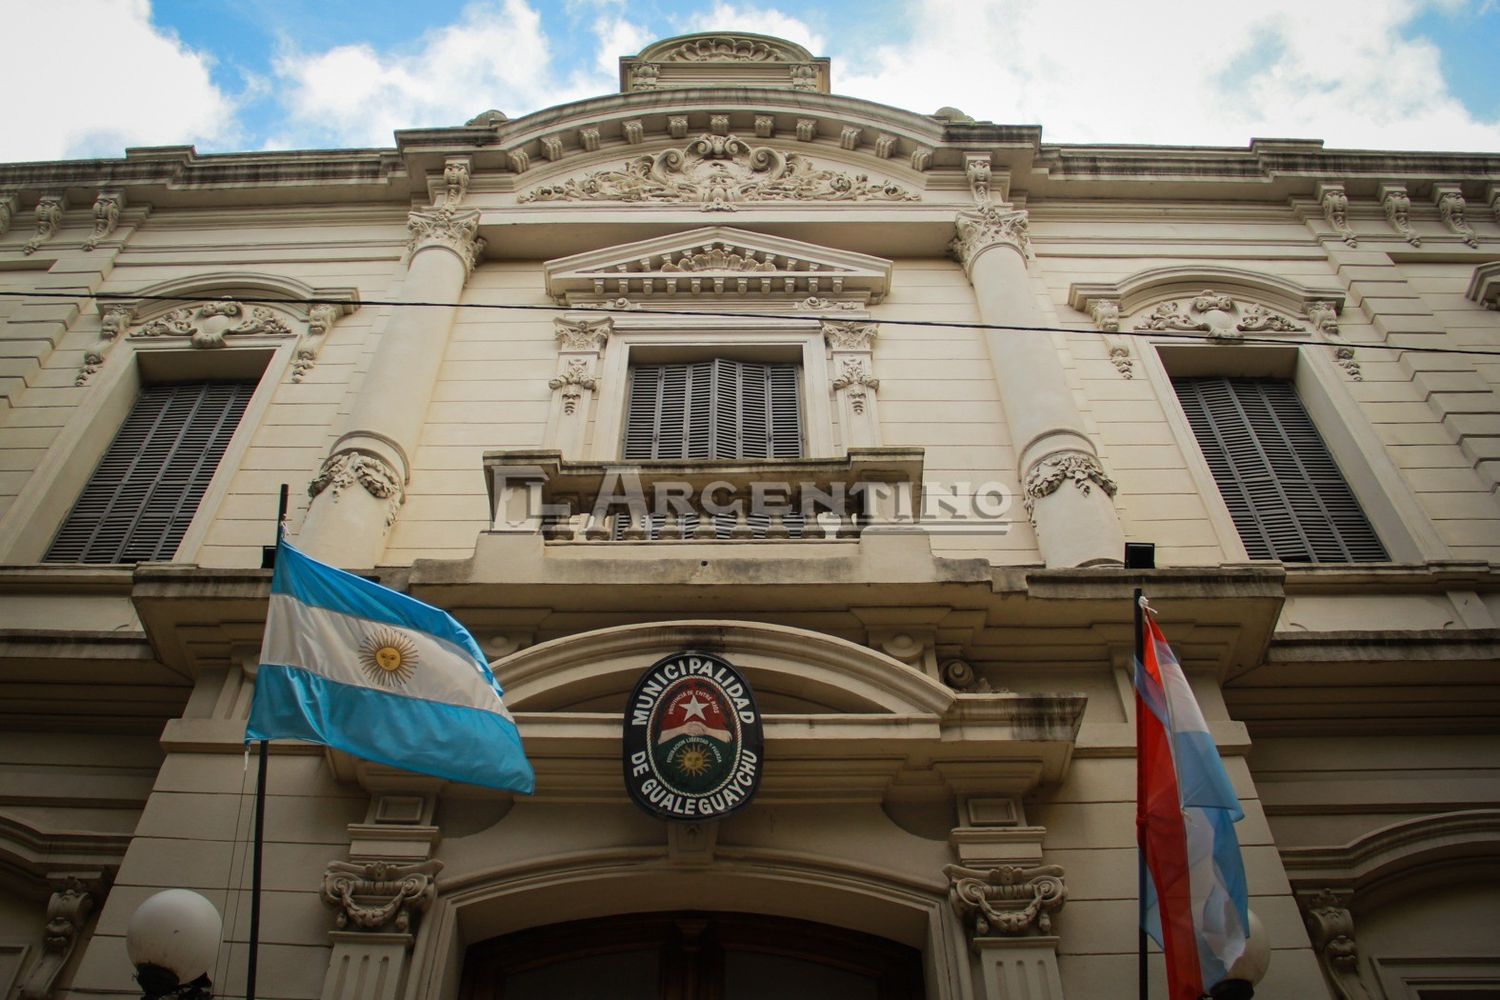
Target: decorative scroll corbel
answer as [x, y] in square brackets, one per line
[380, 895]
[9, 202]
[455, 181]
[1451, 206]
[1331, 927]
[372, 473]
[107, 208]
[49, 214]
[1324, 317]
[67, 911]
[1009, 900]
[1397, 205]
[1335, 203]
[977, 169]
[1076, 467]
[1106, 315]
[571, 381]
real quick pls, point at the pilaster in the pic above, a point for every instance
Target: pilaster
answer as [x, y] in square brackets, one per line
[1067, 492]
[580, 341]
[852, 345]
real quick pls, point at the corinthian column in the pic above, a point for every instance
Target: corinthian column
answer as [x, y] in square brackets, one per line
[359, 490]
[1066, 491]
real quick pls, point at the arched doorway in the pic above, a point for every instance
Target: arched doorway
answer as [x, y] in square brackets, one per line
[691, 955]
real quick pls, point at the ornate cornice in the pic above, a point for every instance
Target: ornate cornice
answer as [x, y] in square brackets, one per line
[719, 172]
[981, 230]
[1009, 900]
[380, 895]
[351, 467]
[1082, 470]
[449, 228]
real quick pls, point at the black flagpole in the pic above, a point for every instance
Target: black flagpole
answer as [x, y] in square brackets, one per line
[1140, 784]
[260, 814]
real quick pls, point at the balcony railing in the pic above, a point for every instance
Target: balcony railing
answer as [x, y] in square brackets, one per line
[789, 500]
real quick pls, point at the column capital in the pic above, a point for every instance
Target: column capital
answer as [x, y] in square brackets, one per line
[1007, 900]
[448, 228]
[989, 227]
[380, 895]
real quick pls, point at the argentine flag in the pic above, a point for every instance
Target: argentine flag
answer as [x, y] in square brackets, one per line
[356, 666]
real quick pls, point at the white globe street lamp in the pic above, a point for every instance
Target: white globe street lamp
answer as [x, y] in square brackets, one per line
[1249, 969]
[172, 940]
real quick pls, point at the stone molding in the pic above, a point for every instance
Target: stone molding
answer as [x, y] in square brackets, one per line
[1330, 925]
[1397, 205]
[850, 335]
[1009, 900]
[1451, 206]
[107, 208]
[581, 334]
[49, 215]
[1335, 204]
[449, 228]
[981, 230]
[724, 59]
[349, 467]
[719, 171]
[1079, 468]
[67, 912]
[380, 895]
[1484, 286]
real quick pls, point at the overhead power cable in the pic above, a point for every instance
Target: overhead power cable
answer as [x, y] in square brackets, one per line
[789, 317]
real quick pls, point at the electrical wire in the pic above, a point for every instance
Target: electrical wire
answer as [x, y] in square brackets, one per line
[720, 314]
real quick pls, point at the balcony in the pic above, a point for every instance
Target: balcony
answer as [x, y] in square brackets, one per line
[740, 501]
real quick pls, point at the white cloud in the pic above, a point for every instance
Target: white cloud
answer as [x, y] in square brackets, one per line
[1147, 72]
[494, 56]
[90, 77]
[618, 37]
[760, 20]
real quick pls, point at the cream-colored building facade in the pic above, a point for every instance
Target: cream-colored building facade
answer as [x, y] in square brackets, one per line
[992, 343]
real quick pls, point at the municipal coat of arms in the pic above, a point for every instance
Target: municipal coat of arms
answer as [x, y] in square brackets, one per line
[693, 744]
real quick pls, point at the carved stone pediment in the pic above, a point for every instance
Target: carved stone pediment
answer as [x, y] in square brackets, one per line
[719, 260]
[720, 173]
[1216, 314]
[724, 59]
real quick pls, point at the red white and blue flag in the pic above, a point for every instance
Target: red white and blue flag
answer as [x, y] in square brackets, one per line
[1197, 907]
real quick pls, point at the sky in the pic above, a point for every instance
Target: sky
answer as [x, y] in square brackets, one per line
[244, 75]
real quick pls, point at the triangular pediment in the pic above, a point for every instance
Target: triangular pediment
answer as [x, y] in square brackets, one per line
[719, 261]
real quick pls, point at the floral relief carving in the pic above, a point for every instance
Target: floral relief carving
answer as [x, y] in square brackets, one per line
[1344, 357]
[582, 334]
[67, 911]
[1217, 315]
[1008, 900]
[381, 895]
[725, 48]
[854, 375]
[1397, 205]
[1106, 314]
[1083, 471]
[320, 319]
[1451, 205]
[850, 335]
[1119, 356]
[208, 324]
[107, 208]
[447, 227]
[977, 169]
[720, 172]
[373, 474]
[1336, 210]
[49, 214]
[1331, 927]
[804, 77]
[573, 378]
[989, 227]
[644, 76]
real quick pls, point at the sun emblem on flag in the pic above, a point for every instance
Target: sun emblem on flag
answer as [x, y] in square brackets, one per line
[693, 761]
[388, 656]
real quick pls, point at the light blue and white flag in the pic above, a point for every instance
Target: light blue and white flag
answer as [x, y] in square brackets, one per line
[356, 666]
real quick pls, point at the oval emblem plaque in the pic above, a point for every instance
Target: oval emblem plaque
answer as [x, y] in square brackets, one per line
[693, 744]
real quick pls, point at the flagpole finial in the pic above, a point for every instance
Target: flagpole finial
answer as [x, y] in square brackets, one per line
[1146, 605]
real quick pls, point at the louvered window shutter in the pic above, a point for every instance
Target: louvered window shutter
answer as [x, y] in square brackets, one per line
[1285, 493]
[144, 493]
[720, 409]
